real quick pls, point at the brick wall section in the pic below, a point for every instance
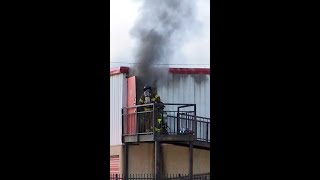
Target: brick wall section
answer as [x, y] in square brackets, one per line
[118, 150]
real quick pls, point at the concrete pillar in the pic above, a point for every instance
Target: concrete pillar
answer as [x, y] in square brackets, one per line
[157, 159]
[191, 159]
[126, 162]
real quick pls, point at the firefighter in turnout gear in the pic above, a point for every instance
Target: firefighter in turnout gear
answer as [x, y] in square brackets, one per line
[148, 97]
[161, 126]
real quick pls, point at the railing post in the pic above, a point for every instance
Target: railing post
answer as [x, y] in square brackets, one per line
[122, 124]
[137, 121]
[153, 120]
[156, 143]
[178, 121]
[207, 132]
[195, 121]
[200, 129]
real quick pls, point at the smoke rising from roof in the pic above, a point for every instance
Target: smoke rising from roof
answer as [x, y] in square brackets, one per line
[160, 30]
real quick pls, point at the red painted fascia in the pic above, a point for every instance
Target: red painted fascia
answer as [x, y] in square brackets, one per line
[190, 70]
[119, 70]
[123, 69]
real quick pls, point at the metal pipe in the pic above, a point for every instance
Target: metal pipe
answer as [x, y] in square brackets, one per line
[207, 132]
[178, 122]
[153, 120]
[137, 124]
[178, 104]
[185, 106]
[195, 121]
[122, 125]
[138, 106]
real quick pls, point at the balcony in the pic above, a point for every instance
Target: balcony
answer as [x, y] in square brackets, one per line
[174, 123]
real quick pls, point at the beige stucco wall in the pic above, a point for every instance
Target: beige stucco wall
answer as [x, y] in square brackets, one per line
[118, 150]
[175, 159]
[141, 158]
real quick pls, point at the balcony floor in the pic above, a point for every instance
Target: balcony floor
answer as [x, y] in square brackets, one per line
[157, 137]
[168, 138]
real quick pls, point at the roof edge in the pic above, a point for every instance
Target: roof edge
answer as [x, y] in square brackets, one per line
[123, 69]
[119, 70]
[190, 70]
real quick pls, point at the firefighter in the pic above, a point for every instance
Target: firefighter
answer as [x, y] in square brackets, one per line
[148, 97]
[161, 126]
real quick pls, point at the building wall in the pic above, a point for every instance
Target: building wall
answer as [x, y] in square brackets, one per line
[187, 89]
[141, 158]
[118, 151]
[177, 88]
[118, 100]
[175, 159]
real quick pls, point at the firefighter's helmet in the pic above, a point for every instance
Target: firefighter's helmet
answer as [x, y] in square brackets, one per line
[146, 87]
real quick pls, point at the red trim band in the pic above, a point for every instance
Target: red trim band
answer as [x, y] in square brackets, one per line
[190, 70]
[118, 70]
[123, 69]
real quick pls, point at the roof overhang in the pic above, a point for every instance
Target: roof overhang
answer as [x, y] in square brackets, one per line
[123, 69]
[190, 70]
[118, 70]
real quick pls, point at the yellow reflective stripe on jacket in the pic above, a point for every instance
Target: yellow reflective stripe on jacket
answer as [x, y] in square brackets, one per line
[156, 97]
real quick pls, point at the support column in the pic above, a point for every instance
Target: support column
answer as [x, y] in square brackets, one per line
[191, 159]
[157, 159]
[126, 163]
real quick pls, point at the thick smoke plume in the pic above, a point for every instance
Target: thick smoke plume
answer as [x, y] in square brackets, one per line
[159, 30]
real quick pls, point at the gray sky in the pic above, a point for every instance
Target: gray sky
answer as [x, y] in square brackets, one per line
[123, 14]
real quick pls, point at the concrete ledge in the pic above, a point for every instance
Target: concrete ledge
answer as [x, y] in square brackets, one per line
[166, 137]
[196, 144]
[138, 138]
[158, 137]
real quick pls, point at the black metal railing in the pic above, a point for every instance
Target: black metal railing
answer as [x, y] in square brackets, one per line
[203, 131]
[136, 120]
[165, 118]
[164, 177]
